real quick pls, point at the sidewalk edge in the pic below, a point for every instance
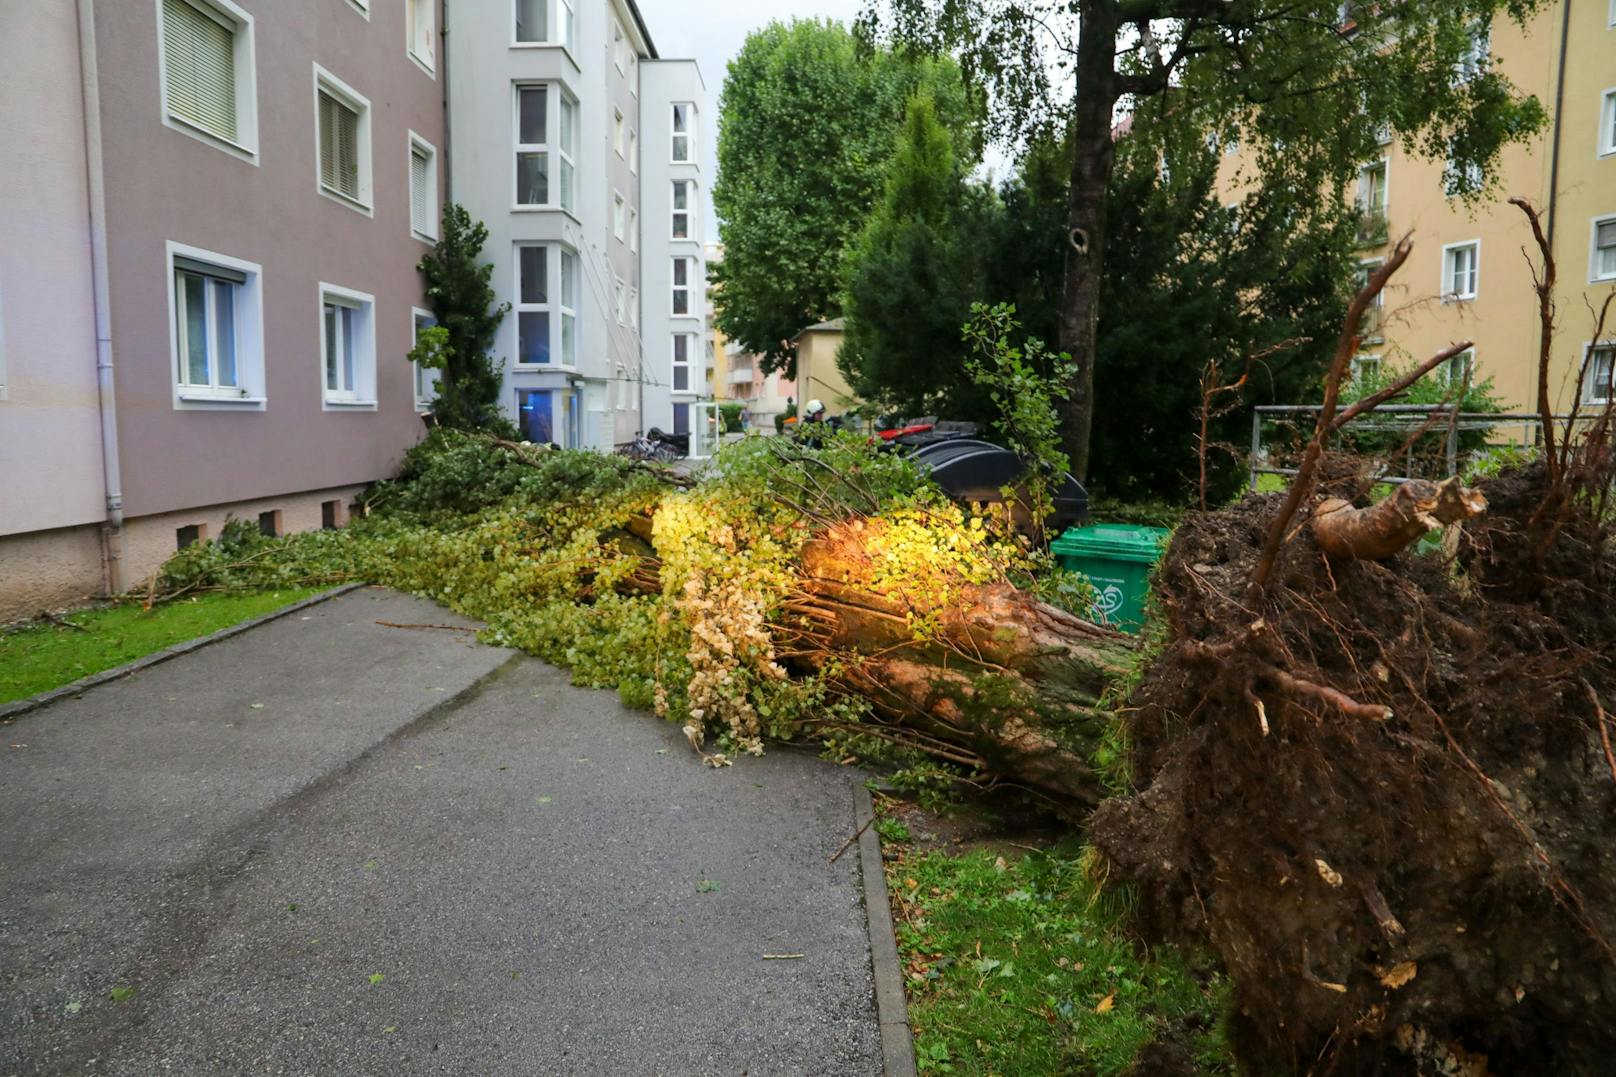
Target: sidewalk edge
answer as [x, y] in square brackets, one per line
[891, 1005]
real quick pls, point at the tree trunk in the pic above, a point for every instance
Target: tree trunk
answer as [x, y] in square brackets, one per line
[1390, 524]
[1092, 156]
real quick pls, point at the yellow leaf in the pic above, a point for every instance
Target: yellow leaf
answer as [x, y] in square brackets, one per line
[1399, 974]
[1106, 1003]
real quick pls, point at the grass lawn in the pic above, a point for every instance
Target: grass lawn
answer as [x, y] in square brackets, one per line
[1017, 965]
[43, 656]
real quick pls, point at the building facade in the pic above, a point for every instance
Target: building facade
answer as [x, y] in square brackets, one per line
[562, 117]
[1467, 278]
[206, 308]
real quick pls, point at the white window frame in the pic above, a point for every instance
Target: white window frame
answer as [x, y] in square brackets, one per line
[1366, 269]
[633, 229]
[1478, 53]
[426, 379]
[619, 43]
[1588, 362]
[688, 213]
[619, 217]
[361, 394]
[618, 132]
[1594, 276]
[421, 46]
[248, 394]
[1606, 142]
[429, 234]
[361, 7]
[567, 20]
[569, 279]
[546, 42]
[688, 135]
[1471, 177]
[633, 315]
[327, 83]
[560, 153]
[688, 288]
[1449, 250]
[620, 300]
[1364, 363]
[567, 152]
[633, 151]
[688, 366]
[245, 144]
[1383, 166]
[547, 307]
[1465, 359]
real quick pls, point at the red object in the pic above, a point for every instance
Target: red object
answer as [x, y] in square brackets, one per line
[918, 428]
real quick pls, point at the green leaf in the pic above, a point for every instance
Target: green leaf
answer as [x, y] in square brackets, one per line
[376, 978]
[122, 994]
[707, 886]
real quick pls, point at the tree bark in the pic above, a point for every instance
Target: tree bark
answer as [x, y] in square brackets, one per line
[1390, 524]
[1093, 153]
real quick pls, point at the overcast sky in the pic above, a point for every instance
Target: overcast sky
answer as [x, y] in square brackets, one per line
[711, 32]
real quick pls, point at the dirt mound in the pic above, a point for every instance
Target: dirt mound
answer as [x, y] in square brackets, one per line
[1430, 893]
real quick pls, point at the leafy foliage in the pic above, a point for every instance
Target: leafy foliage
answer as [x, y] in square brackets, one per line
[458, 285]
[806, 125]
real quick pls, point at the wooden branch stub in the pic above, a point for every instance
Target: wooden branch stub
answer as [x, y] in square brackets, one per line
[1394, 522]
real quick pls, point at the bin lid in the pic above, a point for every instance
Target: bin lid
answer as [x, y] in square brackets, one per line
[1124, 542]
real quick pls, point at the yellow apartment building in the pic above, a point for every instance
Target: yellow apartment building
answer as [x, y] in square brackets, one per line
[1468, 277]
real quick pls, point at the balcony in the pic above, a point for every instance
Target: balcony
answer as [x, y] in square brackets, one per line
[741, 375]
[1372, 228]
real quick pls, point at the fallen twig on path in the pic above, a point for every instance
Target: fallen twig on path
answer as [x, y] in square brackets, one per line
[446, 628]
[837, 855]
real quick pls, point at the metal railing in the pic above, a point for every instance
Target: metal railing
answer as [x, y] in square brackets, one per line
[1406, 419]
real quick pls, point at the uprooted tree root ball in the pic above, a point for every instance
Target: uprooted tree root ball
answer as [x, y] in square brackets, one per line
[1408, 871]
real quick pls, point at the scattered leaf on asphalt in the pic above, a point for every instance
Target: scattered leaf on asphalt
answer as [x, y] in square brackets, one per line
[661, 751]
[376, 978]
[291, 906]
[370, 865]
[72, 1008]
[257, 706]
[389, 1030]
[122, 994]
[515, 975]
[706, 886]
[1106, 1003]
[545, 800]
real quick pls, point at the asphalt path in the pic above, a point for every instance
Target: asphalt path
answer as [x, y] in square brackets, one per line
[329, 846]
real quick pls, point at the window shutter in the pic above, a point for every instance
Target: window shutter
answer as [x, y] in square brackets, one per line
[200, 64]
[328, 140]
[420, 191]
[339, 146]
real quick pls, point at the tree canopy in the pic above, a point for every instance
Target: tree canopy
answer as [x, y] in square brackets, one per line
[1306, 85]
[458, 285]
[807, 122]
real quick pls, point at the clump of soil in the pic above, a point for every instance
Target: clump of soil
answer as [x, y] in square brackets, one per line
[1432, 893]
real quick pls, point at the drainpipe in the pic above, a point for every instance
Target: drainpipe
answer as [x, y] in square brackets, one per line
[443, 68]
[112, 530]
[1559, 102]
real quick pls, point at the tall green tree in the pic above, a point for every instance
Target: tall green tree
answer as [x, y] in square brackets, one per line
[912, 276]
[806, 125]
[458, 285]
[1306, 84]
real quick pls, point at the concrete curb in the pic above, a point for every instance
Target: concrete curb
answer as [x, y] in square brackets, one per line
[20, 707]
[891, 1005]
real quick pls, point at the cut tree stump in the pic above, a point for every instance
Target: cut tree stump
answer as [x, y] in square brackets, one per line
[1394, 522]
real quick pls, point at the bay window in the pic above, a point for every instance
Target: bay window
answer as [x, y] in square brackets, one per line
[683, 344]
[544, 168]
[684, 125]
[532, 305]
[681, 208]
[683, 271]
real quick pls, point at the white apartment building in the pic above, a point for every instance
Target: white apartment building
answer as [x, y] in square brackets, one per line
[561, 120]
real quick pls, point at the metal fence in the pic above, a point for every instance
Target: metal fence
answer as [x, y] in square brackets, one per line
[1406, 419]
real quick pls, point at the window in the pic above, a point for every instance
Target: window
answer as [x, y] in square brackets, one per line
[1370, 327]
[681, 209]
[342, 120]
[1598, 359]
[207, 73]
[684, 122]
[269, 523]
[532, 305]
[1607, 123]
[681, 284]
[544, 168]
[634, 309]
[682, 347]
[216, 331]
[681, 418]
[423, 188]
[348, 347]
[1371, 201]
[333, 514]
[532, 21]
[619, 139]
[620, 300]
[634, 152]
[426, 378]
[535, 415]
[1463, 178]
[420, 28]
[1473, 61]
[532, 141]
[190, 535]
[569, 25]
[1461, 368]
[633, 229]
[618, 46]
[1604, 250]
[619, 217]
[569, 308]
[1365, 368]
[1460, 263]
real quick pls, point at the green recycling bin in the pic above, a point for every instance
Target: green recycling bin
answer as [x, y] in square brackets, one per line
[1117, 559]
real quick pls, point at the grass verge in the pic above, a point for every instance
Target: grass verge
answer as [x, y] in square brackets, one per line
[43, 655]
[1023, 966]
